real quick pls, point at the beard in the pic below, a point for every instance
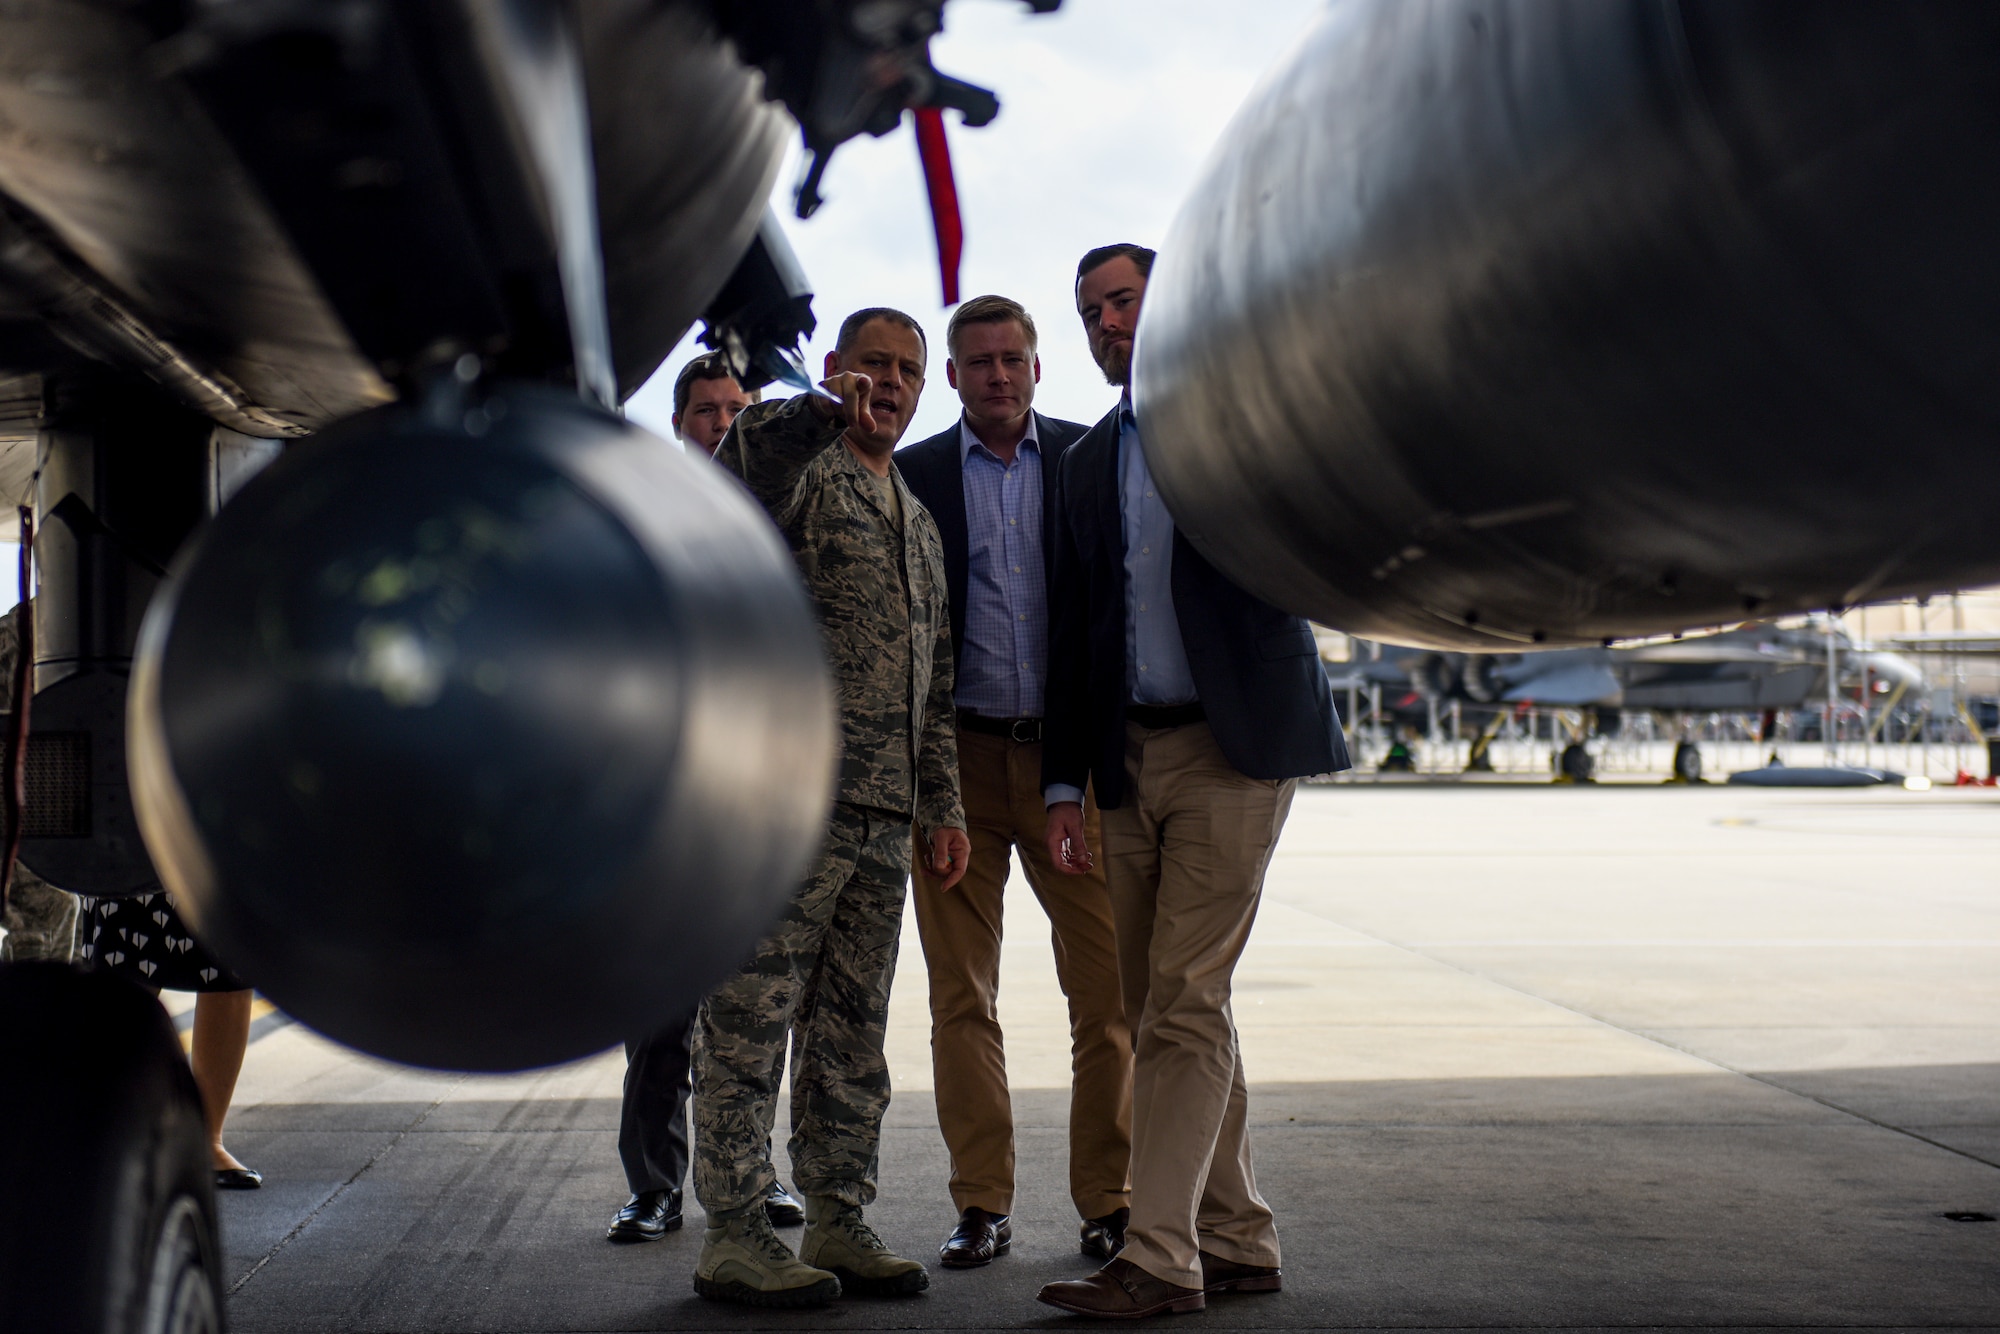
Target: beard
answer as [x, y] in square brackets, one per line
[1116, 363]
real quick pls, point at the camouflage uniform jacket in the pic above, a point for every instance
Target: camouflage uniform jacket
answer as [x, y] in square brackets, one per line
[870, 582]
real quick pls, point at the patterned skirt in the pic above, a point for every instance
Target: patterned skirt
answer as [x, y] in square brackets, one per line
[145, 939]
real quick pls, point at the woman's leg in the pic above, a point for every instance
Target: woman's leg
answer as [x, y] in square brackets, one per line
[221, 1035]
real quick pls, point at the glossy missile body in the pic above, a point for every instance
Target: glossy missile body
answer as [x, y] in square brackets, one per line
[1497, 323]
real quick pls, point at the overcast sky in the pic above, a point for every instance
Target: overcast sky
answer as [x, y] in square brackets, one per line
[1108, 110]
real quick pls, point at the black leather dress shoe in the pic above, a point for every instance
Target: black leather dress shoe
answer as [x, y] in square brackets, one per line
[782, 1207]
[238, 1178]
[647, 1216]
[1105, 1237]
[978, 1238]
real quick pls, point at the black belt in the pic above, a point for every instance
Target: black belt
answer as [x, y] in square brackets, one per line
[1166, 715]
[1025, 730]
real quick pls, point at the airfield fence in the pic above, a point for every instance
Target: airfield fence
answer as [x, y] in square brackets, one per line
[1937, 744]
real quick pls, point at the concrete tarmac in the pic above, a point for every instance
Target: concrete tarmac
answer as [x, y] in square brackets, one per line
[1521, 1058]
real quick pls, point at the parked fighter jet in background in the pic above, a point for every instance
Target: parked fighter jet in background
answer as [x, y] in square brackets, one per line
[1762, 669]
[1749, 669]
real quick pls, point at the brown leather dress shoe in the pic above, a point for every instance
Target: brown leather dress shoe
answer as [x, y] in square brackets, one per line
[1121, 1291]
[1104, 1237]
[1220, 1275]
[977, 1239]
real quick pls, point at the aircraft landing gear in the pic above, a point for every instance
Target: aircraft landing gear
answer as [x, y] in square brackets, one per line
[1576, 764]
[1479, 760]
[107, 1222]
[1687, 763]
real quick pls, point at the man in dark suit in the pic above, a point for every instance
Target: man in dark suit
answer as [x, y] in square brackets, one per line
[1194, 709]
[984, 481]
[652, 1120]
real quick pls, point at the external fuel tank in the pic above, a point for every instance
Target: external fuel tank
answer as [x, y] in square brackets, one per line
[1512, 322]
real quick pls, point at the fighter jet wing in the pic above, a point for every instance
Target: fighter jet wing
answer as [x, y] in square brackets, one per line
[1708, 651]
[1571, 685]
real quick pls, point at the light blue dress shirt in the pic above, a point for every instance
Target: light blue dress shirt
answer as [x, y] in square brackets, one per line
[1004, 665]
[1156, 665]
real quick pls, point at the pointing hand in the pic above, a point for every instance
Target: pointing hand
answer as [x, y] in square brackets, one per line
[852, 389]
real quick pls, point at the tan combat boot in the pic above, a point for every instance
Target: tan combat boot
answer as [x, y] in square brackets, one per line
[743, 1261]
[837, 1239]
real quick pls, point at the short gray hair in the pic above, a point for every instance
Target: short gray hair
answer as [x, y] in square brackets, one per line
[861, 319]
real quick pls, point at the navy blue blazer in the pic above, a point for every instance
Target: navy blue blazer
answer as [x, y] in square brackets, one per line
[934, 470]
[1255, 668]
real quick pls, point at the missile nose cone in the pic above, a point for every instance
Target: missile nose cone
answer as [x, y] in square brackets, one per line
[483, 740]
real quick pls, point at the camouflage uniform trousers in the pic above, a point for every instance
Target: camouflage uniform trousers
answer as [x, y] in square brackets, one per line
[40, 922]
[823, 975]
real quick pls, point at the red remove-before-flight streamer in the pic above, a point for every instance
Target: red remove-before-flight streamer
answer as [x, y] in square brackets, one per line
[936, 155]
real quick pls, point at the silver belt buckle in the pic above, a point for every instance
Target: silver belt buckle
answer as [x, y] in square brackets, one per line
[1015, 728]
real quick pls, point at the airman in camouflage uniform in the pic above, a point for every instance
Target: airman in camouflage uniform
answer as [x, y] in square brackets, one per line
[874, 565]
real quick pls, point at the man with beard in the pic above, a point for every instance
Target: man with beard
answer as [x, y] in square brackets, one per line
[1193, 709]
[989, 483]
[874, 568]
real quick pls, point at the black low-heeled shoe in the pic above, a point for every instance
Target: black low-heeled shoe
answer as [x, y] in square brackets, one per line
[782, 1207]
[238, 1178]
[647, 1216]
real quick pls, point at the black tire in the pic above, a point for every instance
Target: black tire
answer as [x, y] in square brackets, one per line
[1479, 675]
[1437, 675]
[107, 1219]
[1577, 764]
[1687, 762]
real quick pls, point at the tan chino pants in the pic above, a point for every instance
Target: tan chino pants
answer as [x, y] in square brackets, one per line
[1000, 781]
[1185, 856]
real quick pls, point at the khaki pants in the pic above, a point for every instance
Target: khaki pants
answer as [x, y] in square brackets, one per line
[1186, 855]
[1000, 781]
